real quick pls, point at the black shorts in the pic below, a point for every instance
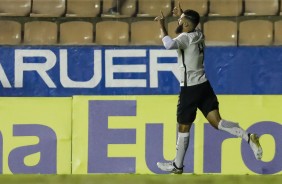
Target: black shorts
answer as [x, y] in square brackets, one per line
[199, 96]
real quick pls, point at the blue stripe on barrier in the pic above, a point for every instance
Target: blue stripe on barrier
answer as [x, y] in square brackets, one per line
[96, 70]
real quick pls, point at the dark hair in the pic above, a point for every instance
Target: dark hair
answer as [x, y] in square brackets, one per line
[193, 16]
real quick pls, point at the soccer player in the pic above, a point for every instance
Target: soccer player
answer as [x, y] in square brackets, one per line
[196, 91]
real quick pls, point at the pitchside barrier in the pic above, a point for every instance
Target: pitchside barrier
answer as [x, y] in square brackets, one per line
[87, 110]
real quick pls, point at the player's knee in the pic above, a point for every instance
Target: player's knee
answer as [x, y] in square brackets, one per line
[214, 124]
[183, 128]
[185, 118]
[179, 119]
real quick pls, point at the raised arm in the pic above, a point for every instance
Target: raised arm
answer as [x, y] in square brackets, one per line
[161, 21]
[167, 41]
[177, 10]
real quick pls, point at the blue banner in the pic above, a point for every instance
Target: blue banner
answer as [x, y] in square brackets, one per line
[96, 70]
[245, 70]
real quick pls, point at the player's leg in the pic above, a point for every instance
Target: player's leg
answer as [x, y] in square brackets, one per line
[176, 166]
[182, 143]
[186, 114]
[209, 107]
[215, 120]
[233, 128]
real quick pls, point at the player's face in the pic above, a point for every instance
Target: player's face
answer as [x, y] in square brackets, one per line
[181, 21]
[179, 29]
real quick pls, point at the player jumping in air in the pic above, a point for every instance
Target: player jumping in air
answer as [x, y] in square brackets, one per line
[196, 91]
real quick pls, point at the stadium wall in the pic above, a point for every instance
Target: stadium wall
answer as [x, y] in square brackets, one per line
[91, 109]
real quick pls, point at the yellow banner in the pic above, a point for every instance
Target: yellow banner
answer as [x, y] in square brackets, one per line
[129, 134]
[35, 135]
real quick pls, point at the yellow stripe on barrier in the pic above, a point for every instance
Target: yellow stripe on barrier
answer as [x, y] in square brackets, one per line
[35, 135]
[119, 134]
[129, 134]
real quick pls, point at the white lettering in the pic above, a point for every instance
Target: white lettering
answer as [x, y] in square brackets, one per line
[155, 67]
[40, 68]
[93, 82]
[4, 79]
[111, 69]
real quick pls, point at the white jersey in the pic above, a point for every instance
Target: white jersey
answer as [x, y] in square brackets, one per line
[190, 48]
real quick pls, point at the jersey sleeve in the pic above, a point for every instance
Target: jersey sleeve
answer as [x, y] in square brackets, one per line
[182, 41]
[169, 43]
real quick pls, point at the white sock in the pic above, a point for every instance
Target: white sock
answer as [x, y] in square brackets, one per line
[181, 147]
[233, 128]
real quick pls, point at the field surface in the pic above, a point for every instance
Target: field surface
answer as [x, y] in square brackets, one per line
[140, 179]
